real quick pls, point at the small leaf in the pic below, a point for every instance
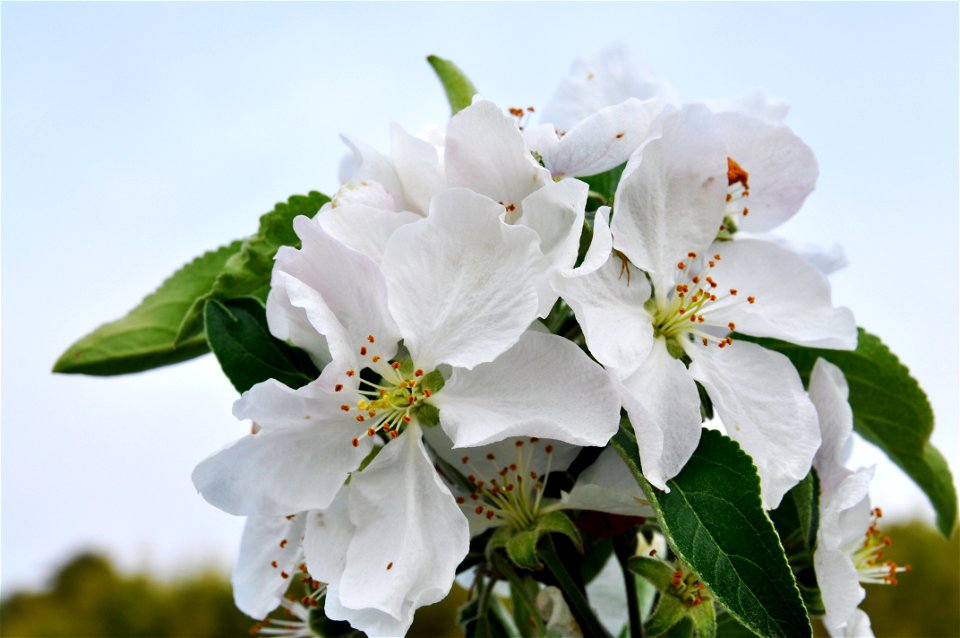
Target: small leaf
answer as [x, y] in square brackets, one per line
[458, 87]
[247, 273]
[248, 354]
[559, 523]
[715, 523]
[654, 570]
[889, 410]
[144, 338]
[432, 381]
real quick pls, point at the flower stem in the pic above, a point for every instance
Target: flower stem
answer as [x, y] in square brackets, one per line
[625, 546]
[573, 594]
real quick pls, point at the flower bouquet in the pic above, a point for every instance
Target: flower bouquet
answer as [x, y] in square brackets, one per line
[550, 355]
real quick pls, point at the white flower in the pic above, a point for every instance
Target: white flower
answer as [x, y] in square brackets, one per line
[672, 198]
[459, 289]
[849, 546]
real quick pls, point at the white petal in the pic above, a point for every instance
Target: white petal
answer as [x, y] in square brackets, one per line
[341, 291]
[829, 391]
[270, 547]
[296, 462]
[367, 163]
[410, 534]
[555, 213]
[600, 245]
[664, 407]
[289, 323]
[327, 535]
[609, 307]
[858, 626]
[372, 622]
[485, 152]
[792, 297]
[782, 169]
[364, 228]
[603, 140]
[760, 399]
[462, 284]
[417, 164]
[753, 103]
[827, 260]
[362, 192]
[544, 386]
[673, 200]
[608, 486]
[604, 80]
[840, 588]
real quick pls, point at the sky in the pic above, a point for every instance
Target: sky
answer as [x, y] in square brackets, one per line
[136, 136]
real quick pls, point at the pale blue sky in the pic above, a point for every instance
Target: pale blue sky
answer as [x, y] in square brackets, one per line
[135, 136]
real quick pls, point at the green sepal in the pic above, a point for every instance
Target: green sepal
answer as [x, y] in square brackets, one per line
[715, 523]
[654, 570]
[458, 87]
[521, 545]
[238, 335]
[683, 629]
[670, 610]
[248, 271]
[704, 617]
[889, 409]
[368, 459]
[427, 415]
[145, 337]
[432, 381]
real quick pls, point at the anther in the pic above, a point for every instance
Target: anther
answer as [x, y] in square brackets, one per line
[733, 291]
[692, 255]
[284, 575]
[375, 358]
[363, 351]
[619, 136]
[418, 373]
[360, 418]
[490, 456]
[370, 338]
[345, 407]
[396, 365]
[338, 387]
[465, 460]
[350, 373]
[283, 543]
[389, 566]
[371, 431]
[751, 299]
[519, 443]
[405, 419]
[732, 326]
[273, 564]
[681, 265]
[479, 509]
[717, 256]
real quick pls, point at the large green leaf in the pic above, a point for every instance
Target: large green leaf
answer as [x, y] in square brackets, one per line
[240, 339]
[458, 87]
[145, 337]
[716, 524]
[247, 273]
[889, 410]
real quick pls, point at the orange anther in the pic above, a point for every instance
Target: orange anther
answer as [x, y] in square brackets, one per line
[717, 256]
[732, 326]
[692, 255]
[338, 387]
[273, 564]
[363, 351]
[396, 365]
[681, 265]
[479, 509]
[751, 299]
[370, 338]
[490, 456]
[371, 431]
[375, 358]
[405, 419]
[350, 373]
[548, 449]
[360, 418]
[283, 543]
[465, 460]
[733, 291]
[418, 373]
[427, 392]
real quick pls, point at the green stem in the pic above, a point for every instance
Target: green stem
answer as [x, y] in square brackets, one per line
[574, 596]
[625, 548]
[503, 566]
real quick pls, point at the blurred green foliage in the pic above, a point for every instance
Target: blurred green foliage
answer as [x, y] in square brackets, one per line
[88, 597]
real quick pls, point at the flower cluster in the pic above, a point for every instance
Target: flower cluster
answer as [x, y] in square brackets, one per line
[487, 303]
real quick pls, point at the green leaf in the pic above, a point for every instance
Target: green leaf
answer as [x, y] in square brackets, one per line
[798, 516]
[247, 273]
[715, 522]
[458, 87]
[248, 354]
[145, 337]
[889, 410]
[604, 186]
